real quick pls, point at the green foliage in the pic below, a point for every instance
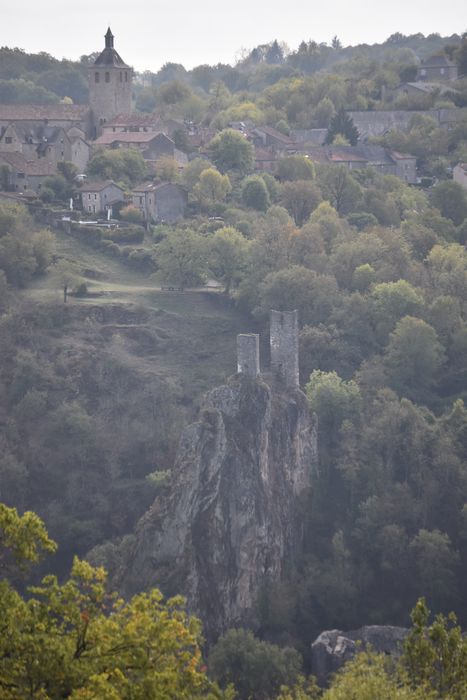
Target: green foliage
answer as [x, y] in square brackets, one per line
[451, 200]
[435, 656]
[413, 356]
[333, 399]
[124, 165]
[300, 198]
[295, 168]
[342, 125]
[298, 288]
[24, 251]
[181, 258]
[255, 668]
[132, 214]
[77, 640]
[212, 188]
[339, 188]
[23, 539]
[231, 151]
[228, 254]
[255, 193]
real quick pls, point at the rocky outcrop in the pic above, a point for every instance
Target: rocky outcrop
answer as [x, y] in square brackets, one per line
[333, 648]
[231, 519]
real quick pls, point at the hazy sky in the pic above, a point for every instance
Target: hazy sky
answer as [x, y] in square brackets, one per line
[148, 34]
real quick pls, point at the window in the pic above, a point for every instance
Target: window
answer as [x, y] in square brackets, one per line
[121, 77]
[442, 71]
[96, 77]
[8, 139]
[140, 200]
[89, 196]
[95, 196]
[126, 77]
[89, 208]
[107, 77]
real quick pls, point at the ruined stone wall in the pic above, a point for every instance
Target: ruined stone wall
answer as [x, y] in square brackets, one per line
[248, 354]
[284, 346]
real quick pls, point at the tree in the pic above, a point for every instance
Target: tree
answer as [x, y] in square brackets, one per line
[295, 168]
[66, 276]
[167, 169]
[451, 199]
[191, 173]
[181, 257]
[231, 151]
[296, 287]
[435, 656]
[256, 669]
[390, 301]
[435, 563]
[228, 255]
[340, 188]
[300, 198]
[212, 188]
[413, 356]
[333, 400]
[342, 123]
[255, 193]
[77, 640]
[23, 539]
[126, 165]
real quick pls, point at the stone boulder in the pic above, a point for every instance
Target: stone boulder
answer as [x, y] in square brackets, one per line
[333, 648]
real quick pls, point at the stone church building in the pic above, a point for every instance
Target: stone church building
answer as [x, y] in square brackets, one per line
[64, 132]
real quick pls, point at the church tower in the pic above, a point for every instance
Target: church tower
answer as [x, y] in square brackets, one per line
[109, 85]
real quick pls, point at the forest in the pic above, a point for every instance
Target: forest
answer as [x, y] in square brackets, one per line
[377, 270]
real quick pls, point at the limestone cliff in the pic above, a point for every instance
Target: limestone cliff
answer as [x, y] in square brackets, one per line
[231, 518]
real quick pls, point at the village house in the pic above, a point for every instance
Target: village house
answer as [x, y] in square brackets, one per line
[161, 203]
[385, 161]
[266, 136]
[424, 88]
[436, 68]
[133, 122]
[23, 175]
[99, 197]
[459, 174]
[152, 146]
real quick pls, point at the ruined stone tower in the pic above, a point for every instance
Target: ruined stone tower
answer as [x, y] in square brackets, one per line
[284, 346]
[110, 82]
[248, 354]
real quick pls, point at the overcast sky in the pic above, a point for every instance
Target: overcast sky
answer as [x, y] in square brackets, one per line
[149, 34]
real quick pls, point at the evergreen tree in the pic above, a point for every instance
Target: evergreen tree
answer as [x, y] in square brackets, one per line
[342, 123]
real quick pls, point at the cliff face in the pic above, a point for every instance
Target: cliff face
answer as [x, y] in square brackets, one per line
[231, 518]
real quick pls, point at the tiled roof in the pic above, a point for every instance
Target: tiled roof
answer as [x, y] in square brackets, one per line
[128, 137]
[273, 133]
[99, 186]
[133, 120]
[29, 167]
[401, 156]
[41, 112]
[439, 60]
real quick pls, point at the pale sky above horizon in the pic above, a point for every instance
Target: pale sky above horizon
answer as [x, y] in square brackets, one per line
[147, 35]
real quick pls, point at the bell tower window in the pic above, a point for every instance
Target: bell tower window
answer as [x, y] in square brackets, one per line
[107, 77]
[96, 77]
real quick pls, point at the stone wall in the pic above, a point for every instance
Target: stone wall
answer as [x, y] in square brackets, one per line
[284, 346]
[248, 354]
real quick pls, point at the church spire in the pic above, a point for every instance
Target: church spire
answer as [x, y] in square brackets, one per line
[109, 39]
